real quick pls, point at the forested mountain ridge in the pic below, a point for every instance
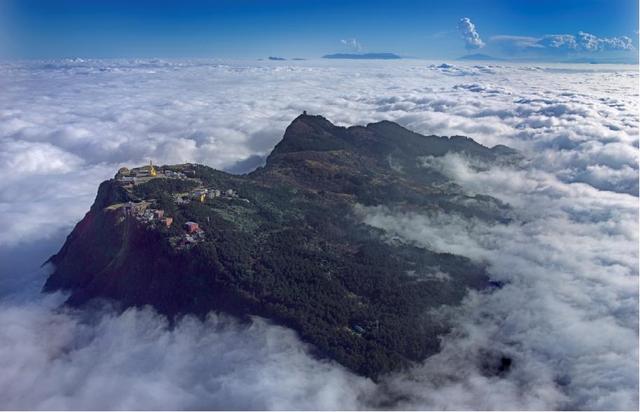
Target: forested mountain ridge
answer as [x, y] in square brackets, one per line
[284, 242]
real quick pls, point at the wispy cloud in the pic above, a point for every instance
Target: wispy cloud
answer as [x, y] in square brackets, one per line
[352, 44]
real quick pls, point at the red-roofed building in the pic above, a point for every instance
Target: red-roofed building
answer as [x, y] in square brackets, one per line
[191, 227]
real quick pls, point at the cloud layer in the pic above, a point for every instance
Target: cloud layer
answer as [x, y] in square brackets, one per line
[569, 262]
[569, 258]
[134, 361]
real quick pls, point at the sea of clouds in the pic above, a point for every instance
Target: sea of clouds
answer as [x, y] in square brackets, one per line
[567, 315]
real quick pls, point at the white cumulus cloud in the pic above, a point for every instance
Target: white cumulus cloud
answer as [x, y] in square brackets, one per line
[557, 45]
[469, 33]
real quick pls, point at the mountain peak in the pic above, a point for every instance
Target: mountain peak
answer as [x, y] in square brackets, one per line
[308, 132]
[312, 120]
[287, 242]
[314, 133]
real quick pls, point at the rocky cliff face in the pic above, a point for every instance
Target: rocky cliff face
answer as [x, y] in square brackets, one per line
[285, 243]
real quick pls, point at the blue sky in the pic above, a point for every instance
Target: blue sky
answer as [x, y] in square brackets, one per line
[254, 29]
